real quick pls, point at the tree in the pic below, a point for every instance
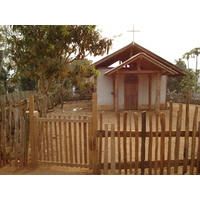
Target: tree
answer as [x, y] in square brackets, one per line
[82, 75]
[44, 52]
[26, 84]
[6, 84]
[174, 83]
[4, 49]
[187, 57]
[195, 52]
[188, 82]
[79, 79]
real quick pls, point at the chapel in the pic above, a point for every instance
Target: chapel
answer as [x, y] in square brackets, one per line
[134, 78]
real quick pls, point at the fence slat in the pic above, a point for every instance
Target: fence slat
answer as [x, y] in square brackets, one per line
[75, 142]
[47, 139]
[156, 144]
[51, 140]
[170, 139]
[112, 149]
[198, 151]
[100, 143]
[1, 117]
[70, 142]
[193, 140]
[136, 142]
[143, 142]
[106, 150]
[80, 140]
[119, 141]
[177, 141]
[56, 138]
[10, 134]
[38, 129]
[16, 136]
[186, 142]
[150, 144]
[60, 138]
[65, 140]
[36, 136]
[85, 140]
[130, 144]
[124, 140]
[4, 138]
[22, 137]
[162, 143]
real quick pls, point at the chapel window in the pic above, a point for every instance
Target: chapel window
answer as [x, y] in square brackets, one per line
[131, 78]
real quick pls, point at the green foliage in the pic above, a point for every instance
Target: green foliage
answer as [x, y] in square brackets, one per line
[194, 53]
[6, 84]
[187, 56]
[82, 75]
[44, 53]
[174, 83]
[188, 82]
[26, 84]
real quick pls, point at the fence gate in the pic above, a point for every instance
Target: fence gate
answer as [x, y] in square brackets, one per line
[64, 140]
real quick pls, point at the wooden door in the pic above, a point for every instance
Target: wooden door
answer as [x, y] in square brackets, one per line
[131, 92]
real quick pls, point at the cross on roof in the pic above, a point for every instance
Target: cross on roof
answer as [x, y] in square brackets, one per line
[133, 32]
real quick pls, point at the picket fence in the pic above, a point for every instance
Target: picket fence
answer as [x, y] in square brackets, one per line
[154, 148]
[138, 143]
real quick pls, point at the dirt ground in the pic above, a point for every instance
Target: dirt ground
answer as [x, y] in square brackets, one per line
[84, 108]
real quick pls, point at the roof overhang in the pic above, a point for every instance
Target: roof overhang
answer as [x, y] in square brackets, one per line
[146, 57]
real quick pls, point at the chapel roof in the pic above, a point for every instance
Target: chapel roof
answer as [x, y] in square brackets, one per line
[134, 51]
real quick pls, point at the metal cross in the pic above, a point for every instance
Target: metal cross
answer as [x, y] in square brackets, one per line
[133, 32]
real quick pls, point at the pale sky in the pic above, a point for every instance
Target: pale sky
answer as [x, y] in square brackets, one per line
[168, 28]
[169, 36]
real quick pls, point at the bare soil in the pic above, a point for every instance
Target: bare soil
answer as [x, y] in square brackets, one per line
[76, 108]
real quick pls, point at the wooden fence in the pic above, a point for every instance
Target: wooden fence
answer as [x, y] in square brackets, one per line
[14, 134]
[182, 98]
[154, 148]
[15, 97]
[145, 143]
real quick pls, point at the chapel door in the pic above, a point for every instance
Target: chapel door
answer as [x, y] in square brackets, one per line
[131, 92]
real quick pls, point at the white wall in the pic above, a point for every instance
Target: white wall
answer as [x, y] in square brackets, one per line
[105, 91]
[163, 89]
[143, 91]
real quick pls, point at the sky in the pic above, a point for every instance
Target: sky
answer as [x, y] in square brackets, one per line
[168, 28]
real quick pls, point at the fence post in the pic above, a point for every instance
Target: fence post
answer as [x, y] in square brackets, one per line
[31, 118]
[143, 142]
[94, 137]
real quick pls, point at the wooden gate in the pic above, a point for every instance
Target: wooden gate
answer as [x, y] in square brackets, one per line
[62, 140]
